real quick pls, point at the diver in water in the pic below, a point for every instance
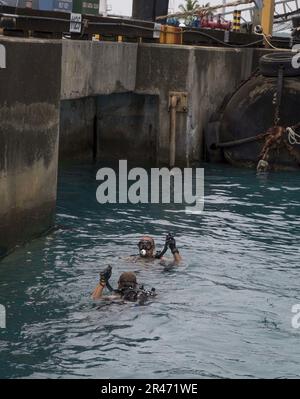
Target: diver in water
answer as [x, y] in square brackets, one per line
[128, 288]
[147, 249]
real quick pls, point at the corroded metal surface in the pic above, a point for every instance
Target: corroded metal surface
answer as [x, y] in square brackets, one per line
[252, 111]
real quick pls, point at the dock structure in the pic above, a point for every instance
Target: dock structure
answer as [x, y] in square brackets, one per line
[76, 98]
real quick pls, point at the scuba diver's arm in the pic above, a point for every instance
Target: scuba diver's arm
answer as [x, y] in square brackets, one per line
[177, 257]
[170, 244]
[173, 247]
[97, 294]
[104, 278]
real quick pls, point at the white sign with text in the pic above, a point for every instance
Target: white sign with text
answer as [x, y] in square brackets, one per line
[75, 23]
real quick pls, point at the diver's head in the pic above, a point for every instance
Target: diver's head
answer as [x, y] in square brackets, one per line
[127, 280]
[146, 247]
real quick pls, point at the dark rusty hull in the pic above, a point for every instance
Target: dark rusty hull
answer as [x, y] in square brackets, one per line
[250, 112]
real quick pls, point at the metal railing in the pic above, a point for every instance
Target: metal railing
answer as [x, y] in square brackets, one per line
[290, 7]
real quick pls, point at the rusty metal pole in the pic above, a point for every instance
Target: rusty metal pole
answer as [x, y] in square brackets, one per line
[173, 112]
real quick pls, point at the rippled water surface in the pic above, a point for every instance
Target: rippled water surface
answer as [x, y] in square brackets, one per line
[226, 312]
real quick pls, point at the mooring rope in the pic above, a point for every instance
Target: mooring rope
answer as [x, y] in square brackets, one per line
[275, 139]
[269, 43]
[294, 138]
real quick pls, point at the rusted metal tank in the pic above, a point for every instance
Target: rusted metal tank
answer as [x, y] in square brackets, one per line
[253, 124]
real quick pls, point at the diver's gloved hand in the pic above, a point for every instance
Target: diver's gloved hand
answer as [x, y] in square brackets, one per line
[105, 275]
[160, 254]
[171, 242]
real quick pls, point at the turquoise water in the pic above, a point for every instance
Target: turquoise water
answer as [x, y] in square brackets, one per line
[226, 312]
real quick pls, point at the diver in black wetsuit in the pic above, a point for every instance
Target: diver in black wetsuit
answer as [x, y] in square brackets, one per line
[128, 288]
[146, 247]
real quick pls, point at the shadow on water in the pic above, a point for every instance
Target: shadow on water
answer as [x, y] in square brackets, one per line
[226, 312]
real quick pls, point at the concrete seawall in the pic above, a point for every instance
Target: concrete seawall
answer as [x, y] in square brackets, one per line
[207, 75]
[91, 70]
[98, 99]
[110, 97]
[29, 113]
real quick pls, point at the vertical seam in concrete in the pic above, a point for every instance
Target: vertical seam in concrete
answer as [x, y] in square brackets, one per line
[191, 84]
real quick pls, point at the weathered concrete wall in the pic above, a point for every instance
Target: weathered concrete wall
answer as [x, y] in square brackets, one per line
[127, 127]
[77, 119]
[29, 114]
[94, 68]
[206, 74]
[217, 74]
[90, 69]
[115, 126]
[162, 69]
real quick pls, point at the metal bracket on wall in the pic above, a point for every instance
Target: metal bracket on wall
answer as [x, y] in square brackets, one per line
[182, 100]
